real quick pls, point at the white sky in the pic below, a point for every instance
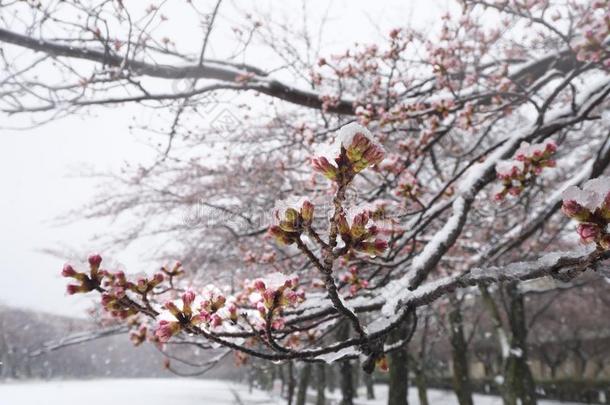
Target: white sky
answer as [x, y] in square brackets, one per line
[40, 169]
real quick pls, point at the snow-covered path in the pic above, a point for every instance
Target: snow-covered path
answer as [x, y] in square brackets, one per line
[176, 392]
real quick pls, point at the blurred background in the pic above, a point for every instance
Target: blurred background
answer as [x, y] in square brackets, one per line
[141, 182]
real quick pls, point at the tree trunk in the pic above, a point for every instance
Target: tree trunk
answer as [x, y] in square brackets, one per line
[291, 383]
[421, 384]
[399, 368]
[519, 386]
[331, 378]
[370, 389]
[320, 384]
[304, 377]
[459, 349]
[346, 379]
[346, 382]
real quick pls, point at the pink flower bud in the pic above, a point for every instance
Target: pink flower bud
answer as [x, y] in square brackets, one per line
[307, 211]
[215, 320]
[261, 308]
[171, 307]
[588, 232]
[324, 167]
[259, 285]
[68, 271]
[188, 297]
[358, 224]
[574, 210]
[551, 147]
[95, 260]
[165, 330]
[72, 289]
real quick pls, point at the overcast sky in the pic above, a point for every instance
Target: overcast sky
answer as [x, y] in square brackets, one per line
[41, 169]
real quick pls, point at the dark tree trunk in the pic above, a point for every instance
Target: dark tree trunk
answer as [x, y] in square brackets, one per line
[346, 379]
[421, 384]
[331, 378]
[370, 389]
[346, 382]
[304, 377]
[519, 386]
[320, 384]
[459, 348]
[399, 368]
[356, 376]
[291, 383]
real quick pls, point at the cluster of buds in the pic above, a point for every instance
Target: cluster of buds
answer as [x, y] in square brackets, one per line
[114, 304]
[590, 206]
[180, 317]
[290, 221]
[144, 285]
[592, 46]
[359, 237]
[116, 284]
[359, 150]
[212, 302]
[275, 292]
[86, 282]
[527, 164]
[354, 281]
[176, 271]
[138, 336]
[408, 186]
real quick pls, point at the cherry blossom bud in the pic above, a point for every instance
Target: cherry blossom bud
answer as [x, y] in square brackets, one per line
[171, 307]
[232, 312]
[281, 236]
[95, 260]
[358, 224]
[259, 285]
[588, 232]
[343, 226]
[188, 297]
[166, 329]
[215, 320]
[68, 271]
[574, 210]
[307, 211]
[72, 289]
[372, 248]
[358, 147]
[324, 167]
[158, 279]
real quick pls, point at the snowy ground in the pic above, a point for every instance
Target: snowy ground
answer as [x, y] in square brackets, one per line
[173, 392]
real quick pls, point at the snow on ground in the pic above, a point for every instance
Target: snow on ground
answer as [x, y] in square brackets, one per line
[437, 397]
[131, 392]
[180, 392]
